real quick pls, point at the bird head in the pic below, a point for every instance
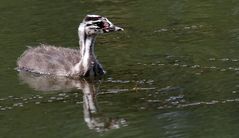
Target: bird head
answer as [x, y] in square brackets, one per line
[96, 24]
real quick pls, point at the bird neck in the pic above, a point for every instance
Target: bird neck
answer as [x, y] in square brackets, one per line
[88, 66]
[87, 54]
[87, 44]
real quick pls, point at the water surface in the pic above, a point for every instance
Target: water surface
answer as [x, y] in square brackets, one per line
[173, 72]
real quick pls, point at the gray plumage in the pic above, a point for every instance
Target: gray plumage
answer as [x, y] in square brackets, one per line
[46, 59]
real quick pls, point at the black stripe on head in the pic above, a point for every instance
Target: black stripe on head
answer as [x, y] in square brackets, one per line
[92, 18]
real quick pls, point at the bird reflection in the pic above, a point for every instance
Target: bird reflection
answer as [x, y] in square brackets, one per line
[94, 119]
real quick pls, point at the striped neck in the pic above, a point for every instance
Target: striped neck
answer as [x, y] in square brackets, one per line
[87, 54]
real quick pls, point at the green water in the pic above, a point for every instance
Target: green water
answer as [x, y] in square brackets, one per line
[173, 72]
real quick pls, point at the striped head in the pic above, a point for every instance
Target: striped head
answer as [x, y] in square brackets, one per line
[96, 24]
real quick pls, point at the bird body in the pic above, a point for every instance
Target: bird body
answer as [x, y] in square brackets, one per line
[81, 62]
[46, 59]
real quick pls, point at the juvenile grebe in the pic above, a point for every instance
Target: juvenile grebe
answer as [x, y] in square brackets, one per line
[59, 61]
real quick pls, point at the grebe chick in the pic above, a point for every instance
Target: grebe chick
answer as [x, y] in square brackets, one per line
[74, 63]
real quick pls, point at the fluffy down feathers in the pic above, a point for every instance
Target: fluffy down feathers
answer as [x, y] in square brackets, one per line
[49, 60]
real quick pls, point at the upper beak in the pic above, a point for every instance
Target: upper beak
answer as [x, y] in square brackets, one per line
[116, 28]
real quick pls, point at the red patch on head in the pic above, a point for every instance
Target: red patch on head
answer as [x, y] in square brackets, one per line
[106, 25]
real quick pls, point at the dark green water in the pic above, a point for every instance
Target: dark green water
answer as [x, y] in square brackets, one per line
[173, 72]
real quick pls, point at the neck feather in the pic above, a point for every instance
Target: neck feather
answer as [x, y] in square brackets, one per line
[87, 47]
[88, 58]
